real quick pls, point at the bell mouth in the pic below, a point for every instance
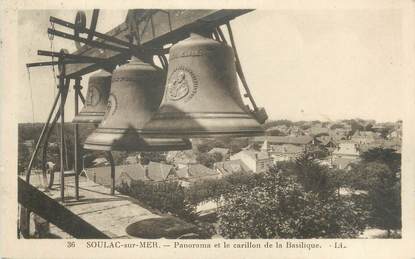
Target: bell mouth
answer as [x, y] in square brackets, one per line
[202, 125]
[131, 140]
[88, 117]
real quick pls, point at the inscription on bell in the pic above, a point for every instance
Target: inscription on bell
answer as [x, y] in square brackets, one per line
[111, 106]
[182, 84]
[93, 96]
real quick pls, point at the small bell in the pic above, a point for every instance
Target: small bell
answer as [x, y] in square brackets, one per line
[136, 92]
[202, 97]
[99, 86]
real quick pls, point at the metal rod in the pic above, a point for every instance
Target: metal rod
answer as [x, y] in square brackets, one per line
[47, 135]
[94, 33]
[77, 58]
[239, 69]
[25, 213]
[94, 21]
[221, 34]
[62, 108]
[42, 133]
[82, 97]
[54, 63]
[87, 42]
[111, 160]
[77, 87]
[133, 47]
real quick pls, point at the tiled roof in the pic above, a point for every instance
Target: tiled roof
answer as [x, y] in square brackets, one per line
[296, 140]
[231, 166]
[158, 171]
[253, 154]
[195, 171]
[222, 151]
[103, 174]
[181, 157]
[287, 149]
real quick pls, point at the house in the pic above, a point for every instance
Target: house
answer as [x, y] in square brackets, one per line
[346, 149]
[314, 131]
[231, 167]
[343, 163]
[286, 148]
[127, 176]
[328, 143]
[257, 162]
[195, 172]
[280, 128]
[102, 175]
[159, 172]
[154, 172]
[225, 152]
[395, 134]
[286, 152]
[280, 140]
[339, 134]
[100, 161]
[132, 160]
[181, 158]
[365, 137]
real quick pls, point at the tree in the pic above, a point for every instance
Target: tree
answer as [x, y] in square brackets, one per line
[383, 155]
[275, 132]
[153, 156]
[23, 155]
[337, 126]
[311, 175]
[383, 193]
[279, 207]
[208, 159]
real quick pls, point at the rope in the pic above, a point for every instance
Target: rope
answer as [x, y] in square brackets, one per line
[31, 96]
[52, 48]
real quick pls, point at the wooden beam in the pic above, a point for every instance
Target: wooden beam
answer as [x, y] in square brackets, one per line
[41, 204]
[154, 29]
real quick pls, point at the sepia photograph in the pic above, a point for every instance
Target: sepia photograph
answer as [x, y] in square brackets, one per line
[196, 125]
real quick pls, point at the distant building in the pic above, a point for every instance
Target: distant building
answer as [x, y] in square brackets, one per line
[195, 172]
[181, 158]
[100, 161]
[257, 162]
[160, 172]
[225, 152]
[347, 149]
[153, 172]
[365, 137]
[279, 140]
[285, 148]
[231, 167]
[315, 130]
[286, 152]
[343, 163]
[132, 160]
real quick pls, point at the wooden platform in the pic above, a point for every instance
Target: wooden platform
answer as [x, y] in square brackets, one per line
[109, 214]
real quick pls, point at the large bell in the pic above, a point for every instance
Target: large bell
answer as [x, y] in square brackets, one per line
[99, 86]
[136, 93]
[202, 97]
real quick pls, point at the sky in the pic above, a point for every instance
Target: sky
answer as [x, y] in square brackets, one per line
[299, 64]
